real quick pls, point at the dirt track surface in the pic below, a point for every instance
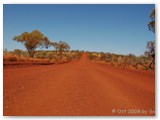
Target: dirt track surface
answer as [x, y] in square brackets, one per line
[78, 88]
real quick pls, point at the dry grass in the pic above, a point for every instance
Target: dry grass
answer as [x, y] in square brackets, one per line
[123, 61]
[119, 65]
[15, 60]
[10, 59]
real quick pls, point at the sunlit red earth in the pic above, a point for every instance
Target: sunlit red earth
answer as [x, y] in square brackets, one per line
[78, 88]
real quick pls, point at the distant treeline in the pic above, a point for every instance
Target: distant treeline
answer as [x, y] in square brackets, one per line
[123, 61]
[41, 55]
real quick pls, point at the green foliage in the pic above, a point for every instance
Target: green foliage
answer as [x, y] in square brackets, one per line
[124, 61]
[18, 52]
[36, 39]
[151, 24]
[150, 49]
[150, 53]
[60, 48]
[32, 40]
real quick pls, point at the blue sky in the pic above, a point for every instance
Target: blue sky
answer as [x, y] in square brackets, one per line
[111, 28]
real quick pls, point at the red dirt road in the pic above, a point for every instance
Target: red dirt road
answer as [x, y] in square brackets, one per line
[78, 88]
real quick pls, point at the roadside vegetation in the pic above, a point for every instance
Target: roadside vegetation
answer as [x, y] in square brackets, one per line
[122, 61]
[145, 61]
[34, 40]
[61, 52]
[41, 57]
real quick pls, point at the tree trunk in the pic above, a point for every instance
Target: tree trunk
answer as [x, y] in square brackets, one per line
[60, 52]
[31, 53]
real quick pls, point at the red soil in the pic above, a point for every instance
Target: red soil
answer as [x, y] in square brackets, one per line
[78, 88]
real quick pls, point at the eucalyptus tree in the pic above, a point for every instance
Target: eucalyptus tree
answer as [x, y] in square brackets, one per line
[32, 40]
[151, 44]
[150, 52]
[151, 24]
[62, 46]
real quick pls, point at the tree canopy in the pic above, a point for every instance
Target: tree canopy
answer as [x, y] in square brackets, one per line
[151, 24]
[61, 47]
[151, 44]
[32, 41]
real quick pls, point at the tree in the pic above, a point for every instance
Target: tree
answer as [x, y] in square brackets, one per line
[18, 52]
[55, 45]
[32, 41]
[151, 44]
[151, 24]
[62, 46]
[150, 53]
